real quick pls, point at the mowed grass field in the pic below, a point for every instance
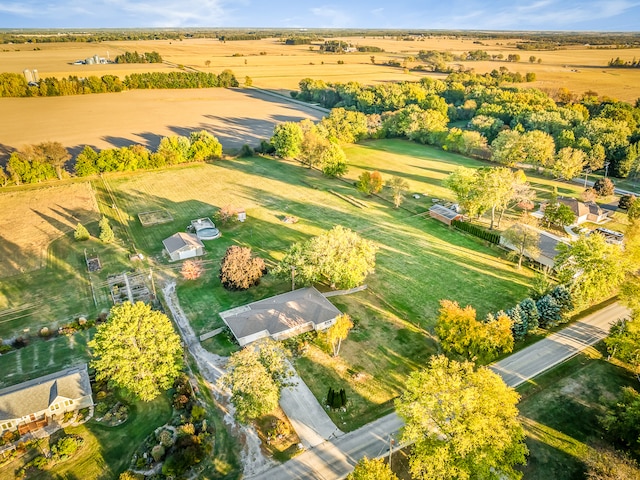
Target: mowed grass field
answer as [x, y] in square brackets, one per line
[31, 218]
[420, 262]
[560, 413]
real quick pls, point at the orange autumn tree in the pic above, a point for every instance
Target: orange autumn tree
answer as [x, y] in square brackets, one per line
[460, 332]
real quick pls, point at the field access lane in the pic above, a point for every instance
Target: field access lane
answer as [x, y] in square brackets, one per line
[535, 359]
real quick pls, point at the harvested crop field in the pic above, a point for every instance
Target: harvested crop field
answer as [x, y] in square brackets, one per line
[31, 219]
[110, 120]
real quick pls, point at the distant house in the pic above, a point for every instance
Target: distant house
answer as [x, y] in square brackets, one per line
[585, 211]
[182, 246]
[547, 249]
[30, 405]
[281, 317]
[444, 214]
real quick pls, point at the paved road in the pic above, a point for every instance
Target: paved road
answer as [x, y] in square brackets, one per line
[334, 459]
[535, 359]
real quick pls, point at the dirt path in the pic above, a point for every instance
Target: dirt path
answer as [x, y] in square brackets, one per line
[211, 367]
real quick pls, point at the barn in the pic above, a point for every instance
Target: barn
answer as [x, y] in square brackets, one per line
[444, 214]
[181, 246]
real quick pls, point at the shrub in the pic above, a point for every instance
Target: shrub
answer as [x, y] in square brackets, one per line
[604, 187]
[626, 201]
[66, 446]
[165, 437]
[197, 413]
[239, 270]
[246, 151]
[192, 269]
[157, 452]
[187, 429]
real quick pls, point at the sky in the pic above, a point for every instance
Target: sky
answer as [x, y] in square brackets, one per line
[592, 15]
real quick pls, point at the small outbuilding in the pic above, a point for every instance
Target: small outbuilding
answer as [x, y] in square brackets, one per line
[282, 316]
[205, 229]
[181, 246]
[444, 214]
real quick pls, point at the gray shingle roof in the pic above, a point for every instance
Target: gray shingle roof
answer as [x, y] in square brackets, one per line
[280, 313]
[444, 212]
[38, 394]
[180, 240]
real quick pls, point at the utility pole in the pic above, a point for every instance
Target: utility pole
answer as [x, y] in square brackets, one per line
[153, 284]
[293, 277]
[390, 445]
[606, 169]
[586, 174]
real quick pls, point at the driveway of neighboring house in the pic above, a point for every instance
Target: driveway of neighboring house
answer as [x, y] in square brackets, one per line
[308, 418]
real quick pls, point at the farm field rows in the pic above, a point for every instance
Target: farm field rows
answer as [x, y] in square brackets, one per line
[110, 120]
[274, 65]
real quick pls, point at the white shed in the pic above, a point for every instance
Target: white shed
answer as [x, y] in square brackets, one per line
[182, 246]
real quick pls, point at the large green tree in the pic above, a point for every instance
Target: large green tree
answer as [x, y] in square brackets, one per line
[287, 139]
[374, 469]
[593, 267]
[256, 375]
[524, 237]
[340, 257]
[463, 423]
[137, 349]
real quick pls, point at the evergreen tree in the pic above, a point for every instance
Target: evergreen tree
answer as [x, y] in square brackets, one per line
[529, 311]
[519, 325]
[549, 310]
[81, 233]
[106, 233]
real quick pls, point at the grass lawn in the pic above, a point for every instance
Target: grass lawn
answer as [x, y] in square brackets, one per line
[107, 450]
[420, 260]
[43, 357]
[60, 292]
[560, 413]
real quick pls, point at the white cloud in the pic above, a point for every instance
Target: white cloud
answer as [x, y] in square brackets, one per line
[336, 18]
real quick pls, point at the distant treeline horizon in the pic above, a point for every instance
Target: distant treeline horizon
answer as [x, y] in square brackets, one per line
[548, 40]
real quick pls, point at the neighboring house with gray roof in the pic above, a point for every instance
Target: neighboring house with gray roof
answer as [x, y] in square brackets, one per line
[181, 246]
[547, 249]
[282, 316]
[29, 405]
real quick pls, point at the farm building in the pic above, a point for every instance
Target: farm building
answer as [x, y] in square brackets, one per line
[281, 317]
[30, 405]
[444, 214]
[181, 246]
[547, 249]
[205, 229]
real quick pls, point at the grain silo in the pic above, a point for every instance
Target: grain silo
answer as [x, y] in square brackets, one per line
[96, 59]
[28, 76]
[36, 77]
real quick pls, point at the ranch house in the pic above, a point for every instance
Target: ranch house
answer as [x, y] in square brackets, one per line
[31, 405]
[181, 246]
[584, 211]
[281, 317]
[547, 249]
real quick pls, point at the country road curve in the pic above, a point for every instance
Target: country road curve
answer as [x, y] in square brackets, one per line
[333, 460]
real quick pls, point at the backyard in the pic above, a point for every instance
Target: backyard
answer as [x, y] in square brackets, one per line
[420, 260]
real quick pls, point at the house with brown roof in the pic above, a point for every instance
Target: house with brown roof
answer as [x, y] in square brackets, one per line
[181, 246]
[444, 214]
[282, 316]
[30, 405]
[585, 211]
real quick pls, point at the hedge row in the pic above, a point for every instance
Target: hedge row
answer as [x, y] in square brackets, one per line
[477, 231]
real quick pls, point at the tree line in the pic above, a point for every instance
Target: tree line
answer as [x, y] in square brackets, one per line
[135, 57]
[15, 85]
[45, 161]
[564, 134]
